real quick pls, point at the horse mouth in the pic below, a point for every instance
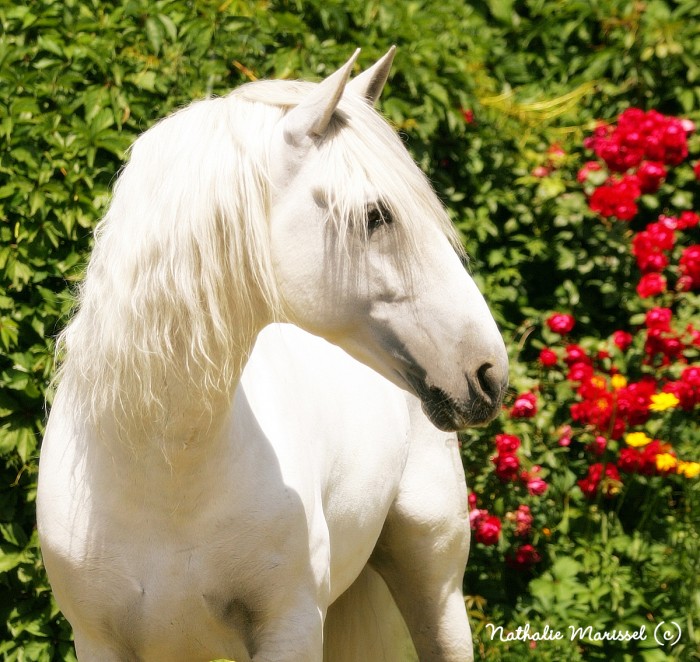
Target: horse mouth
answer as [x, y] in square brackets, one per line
[449, 415]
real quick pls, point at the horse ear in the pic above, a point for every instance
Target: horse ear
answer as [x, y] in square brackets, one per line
[369, 83]
[312, 116]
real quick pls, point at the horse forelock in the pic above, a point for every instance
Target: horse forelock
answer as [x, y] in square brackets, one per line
[180, 278]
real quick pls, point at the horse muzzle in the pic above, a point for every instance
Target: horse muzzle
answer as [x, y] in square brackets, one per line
[486, 388]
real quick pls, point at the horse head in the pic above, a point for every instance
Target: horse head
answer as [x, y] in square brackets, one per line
[365, 256]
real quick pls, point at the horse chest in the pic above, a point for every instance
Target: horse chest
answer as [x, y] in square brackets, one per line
[187, 596]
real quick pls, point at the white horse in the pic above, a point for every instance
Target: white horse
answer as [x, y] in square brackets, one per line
[191, 509]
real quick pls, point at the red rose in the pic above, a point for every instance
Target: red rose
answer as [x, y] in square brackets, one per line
[576, 354]
[561, 323]
[662, 232]
[525, 406]
[650, 175]
[488, 530]
[507, 466]
[696, 170]
[659, 318]
[651, 284]
[580, 372]
[548, 358]
[615, 201]
[525, 557]
[537, 486]
[622, 339]
[688, 219]
[507, 443]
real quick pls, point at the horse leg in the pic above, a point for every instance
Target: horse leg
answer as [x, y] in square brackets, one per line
[423, 549]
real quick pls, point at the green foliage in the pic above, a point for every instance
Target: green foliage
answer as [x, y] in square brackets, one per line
[79, 79]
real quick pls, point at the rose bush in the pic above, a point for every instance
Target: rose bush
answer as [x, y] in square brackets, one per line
[601, 440]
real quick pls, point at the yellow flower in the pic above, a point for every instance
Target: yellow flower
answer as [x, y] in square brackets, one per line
[666, 462]
[688, 469]
[637, 439]
[618, 381]
[663, 401]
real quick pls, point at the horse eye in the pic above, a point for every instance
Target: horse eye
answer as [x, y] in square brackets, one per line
[377, 216]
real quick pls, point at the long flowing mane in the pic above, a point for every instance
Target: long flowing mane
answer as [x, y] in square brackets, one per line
[180, 278]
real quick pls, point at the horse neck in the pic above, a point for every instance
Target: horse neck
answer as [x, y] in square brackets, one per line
[194, 403]
[164, 462]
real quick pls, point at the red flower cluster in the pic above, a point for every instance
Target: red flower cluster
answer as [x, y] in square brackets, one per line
[641, 136]
[488, 529]
[617, 197]
[662, 341]
[525, 555]
[651, 245]
[687, 388]
[507, 465]
[639, 148]
[642, 461]
[610, 402]
[524, 558]
[608, 410]
[506, 460]
[690, 268]
[601, 478]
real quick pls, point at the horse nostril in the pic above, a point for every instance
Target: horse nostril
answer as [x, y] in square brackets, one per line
[488, 381]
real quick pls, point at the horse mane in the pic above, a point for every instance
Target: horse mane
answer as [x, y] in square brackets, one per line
[180, 277]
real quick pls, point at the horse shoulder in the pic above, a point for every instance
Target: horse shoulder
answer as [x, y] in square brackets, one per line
[340, 435]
